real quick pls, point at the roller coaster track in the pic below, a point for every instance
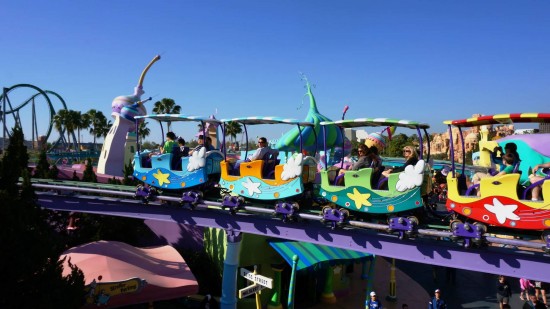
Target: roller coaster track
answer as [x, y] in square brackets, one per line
[519, 259]
[9, 109]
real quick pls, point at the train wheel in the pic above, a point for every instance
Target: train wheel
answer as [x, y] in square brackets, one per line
[414, 220]
[454, 224]
[480, 227]
[345, 215]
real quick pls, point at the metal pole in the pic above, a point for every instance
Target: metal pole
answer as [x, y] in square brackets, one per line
[290, 304]
[393, 295]
[229, 279]
[257, 294]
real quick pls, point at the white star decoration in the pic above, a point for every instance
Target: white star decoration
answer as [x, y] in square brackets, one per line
[252, 187]
[502, 212]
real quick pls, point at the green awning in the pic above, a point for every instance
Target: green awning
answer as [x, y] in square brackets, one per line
[311, 254]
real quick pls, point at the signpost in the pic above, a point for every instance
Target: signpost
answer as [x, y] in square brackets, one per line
[259, 279]
[249, 290]
[259, 283]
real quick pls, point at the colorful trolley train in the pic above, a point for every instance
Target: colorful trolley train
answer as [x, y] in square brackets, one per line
[287, 180]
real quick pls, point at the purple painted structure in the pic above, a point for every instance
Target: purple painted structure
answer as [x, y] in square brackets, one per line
[495, 260]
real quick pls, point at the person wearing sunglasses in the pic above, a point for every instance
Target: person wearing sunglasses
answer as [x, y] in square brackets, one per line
[363, 161]
[411, 158]
[263, 149]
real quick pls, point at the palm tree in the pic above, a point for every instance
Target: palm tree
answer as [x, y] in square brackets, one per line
[72, 123]
[102, 128]
[81, 121]
[58, 124]
[63, 123]
[96, 118]
[233, 128]
[166, 106]
[143, 131]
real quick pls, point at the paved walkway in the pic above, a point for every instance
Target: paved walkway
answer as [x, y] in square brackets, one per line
[416, 283]
[408, 290]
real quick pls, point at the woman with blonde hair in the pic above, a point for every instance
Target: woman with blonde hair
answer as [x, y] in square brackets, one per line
[411, 158]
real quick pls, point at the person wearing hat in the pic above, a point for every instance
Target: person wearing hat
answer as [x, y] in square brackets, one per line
[373, 302]
[437, 302]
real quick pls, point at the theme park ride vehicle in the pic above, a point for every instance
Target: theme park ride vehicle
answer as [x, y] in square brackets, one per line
[366, 192]
[500, 201]
[191, 174]
[266, 179]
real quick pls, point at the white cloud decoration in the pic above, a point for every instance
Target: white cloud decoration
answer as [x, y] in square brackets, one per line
[197, 160]
[411, 177]
[292, 167]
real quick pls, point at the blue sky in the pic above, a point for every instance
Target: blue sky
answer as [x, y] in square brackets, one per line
[421, 60]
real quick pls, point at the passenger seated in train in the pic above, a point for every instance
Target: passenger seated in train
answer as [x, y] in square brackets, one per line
[509, 148]
[376, 165]
[262, 152]
[179, 152]
[507, 159]
[201, 144]
[535, 177]
[364, 160]
[184, 150]
[411, 158]
[263, 149]
[168, 146]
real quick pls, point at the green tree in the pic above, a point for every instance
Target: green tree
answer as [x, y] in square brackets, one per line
[15, 160]
[128, 172]
[65, 117]
[58, 123]
[31, 269]
[233, 128]
[151, 145]
[83, 123]
[395, 146]
[166, 106]
[89, 175]
[143, 131]
[43, 166]
[96, 120]
[53, 173]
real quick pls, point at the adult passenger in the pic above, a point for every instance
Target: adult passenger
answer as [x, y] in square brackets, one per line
[411, 158]
[202, 143]
[363, 161]
[168, 146]
[263, 149]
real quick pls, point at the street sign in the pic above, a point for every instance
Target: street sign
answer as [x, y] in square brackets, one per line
[251, 289]
[259, 279]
